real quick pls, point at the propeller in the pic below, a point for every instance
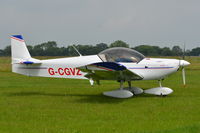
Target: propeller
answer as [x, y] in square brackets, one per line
[183, 75]
[182, 64]
[183, 69]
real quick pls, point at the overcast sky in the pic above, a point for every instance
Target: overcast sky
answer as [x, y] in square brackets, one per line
[154, 22]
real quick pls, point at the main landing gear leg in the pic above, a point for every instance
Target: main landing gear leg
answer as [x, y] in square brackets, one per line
[121, 85]
[134, 90]
[130, 87]
[160, 83]
[129, 84]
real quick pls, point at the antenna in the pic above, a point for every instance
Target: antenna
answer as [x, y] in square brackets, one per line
[77, 50]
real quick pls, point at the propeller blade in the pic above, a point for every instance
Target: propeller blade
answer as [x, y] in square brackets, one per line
[183, 75]
[183, 56]
[182, 64]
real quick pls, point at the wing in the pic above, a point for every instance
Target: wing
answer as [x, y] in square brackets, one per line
[109, 71]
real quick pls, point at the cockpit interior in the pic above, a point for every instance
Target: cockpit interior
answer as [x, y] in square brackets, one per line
[121, 54]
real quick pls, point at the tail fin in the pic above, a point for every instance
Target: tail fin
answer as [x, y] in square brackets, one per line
[19, 50]
[21, 57]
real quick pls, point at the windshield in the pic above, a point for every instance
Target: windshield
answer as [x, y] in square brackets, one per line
[120, 54]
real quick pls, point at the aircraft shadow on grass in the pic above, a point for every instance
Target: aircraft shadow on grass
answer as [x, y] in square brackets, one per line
[82, 98]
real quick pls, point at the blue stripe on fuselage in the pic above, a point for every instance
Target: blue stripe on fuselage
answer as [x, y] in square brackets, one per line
[150, 67]
[111, 65]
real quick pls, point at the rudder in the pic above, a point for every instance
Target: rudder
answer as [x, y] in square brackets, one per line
[21, 58]
[19, 50]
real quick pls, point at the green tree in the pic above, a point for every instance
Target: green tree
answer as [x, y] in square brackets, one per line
[30, 49]
[195, 51]
[63, 51]
[119, 43]
[187, 52]
[148, 50]
[48, 48]
[166, 51]
[48, 45]
[71, 51]
[100, 47]
[38, 51]
[86, 49]
[1, 52]
[177, 51]
[7, 51]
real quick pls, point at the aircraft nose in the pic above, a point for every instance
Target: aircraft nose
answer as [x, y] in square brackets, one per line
[184, 63]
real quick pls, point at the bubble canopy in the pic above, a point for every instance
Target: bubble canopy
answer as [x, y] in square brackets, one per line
[121, 54]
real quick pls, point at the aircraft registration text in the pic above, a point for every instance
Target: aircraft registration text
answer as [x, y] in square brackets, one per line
[65, 71]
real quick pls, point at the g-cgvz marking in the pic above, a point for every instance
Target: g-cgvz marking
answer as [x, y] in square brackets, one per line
[65, 71]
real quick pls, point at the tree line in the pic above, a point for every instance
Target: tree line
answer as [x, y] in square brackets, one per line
[51, 48]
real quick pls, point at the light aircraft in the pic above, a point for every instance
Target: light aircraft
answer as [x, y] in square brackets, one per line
[120, 64]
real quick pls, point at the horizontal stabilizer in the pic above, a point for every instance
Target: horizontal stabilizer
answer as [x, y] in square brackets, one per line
[27, 62]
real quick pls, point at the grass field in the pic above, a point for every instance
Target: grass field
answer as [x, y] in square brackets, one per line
[47, 105]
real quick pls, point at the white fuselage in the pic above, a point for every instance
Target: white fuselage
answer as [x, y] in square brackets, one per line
[148, 68]
[58, 68]
[153, 68]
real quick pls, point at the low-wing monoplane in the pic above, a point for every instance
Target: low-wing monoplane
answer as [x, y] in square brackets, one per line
[120, 64]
